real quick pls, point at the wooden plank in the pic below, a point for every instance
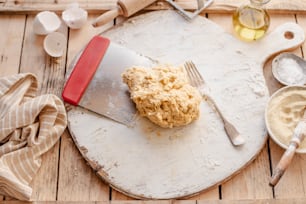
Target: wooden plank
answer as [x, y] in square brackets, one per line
[280, 6]
[11, 43]
[258, 201]
[50, 73]
[252, 182]
[116, 195]
[10, 47]
[28, 6]
[96, 6]
[143, 202]
[211, 194]
[301, 19]
[243, 186]
[184, 202]
[77, 181]
[263, 201]
[292, 184]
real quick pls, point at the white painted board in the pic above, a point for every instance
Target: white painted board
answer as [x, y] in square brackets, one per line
[146, 161]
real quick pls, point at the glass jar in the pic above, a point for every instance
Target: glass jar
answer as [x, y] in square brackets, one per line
[251, 21]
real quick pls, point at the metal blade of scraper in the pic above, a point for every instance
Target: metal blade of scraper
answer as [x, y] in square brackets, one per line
[106, 93]
[202, 4]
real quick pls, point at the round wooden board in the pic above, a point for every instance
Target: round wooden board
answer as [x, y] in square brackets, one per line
[146, 161]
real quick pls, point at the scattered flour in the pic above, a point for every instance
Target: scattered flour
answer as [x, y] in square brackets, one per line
[257, 84]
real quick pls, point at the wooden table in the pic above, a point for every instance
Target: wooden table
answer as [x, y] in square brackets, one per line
[64, 174]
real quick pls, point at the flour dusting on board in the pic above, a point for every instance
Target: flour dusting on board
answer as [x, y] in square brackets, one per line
[168, 163]
[258, 86]
[206, 161]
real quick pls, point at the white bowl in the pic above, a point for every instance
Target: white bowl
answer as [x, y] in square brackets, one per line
[46, 22]
[55, 44]
[294, 108]
[75, 17]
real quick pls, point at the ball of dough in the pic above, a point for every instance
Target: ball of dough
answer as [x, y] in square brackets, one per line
[163, 95]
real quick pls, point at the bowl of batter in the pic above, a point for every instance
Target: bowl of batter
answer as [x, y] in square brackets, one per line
[284, 110]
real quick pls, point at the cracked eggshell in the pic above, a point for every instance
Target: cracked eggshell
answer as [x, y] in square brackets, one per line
[75, 17]
[54, 44]
[46, 22]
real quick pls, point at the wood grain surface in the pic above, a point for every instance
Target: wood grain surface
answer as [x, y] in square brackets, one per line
[73, 175]
[96, 6]
[244, 201]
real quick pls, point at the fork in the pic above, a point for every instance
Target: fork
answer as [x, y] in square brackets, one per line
[198, 82]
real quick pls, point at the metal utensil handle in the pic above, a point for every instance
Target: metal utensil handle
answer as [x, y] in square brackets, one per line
[188, 15]
[297, 138]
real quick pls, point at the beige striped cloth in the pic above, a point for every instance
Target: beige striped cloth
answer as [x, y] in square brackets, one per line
[29, 126]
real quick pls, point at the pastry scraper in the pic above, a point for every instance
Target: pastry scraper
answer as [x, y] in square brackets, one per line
[95, 82]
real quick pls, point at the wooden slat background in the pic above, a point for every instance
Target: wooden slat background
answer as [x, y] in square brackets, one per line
[98, 6]
[65, 176]
[261, 201]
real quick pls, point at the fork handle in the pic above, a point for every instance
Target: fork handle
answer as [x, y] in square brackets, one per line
[232, 133]
[212, 101]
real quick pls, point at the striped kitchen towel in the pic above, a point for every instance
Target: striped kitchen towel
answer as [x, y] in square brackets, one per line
[29, 126]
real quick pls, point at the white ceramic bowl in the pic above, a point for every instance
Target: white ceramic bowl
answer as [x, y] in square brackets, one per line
[55, 44]
[46, 22]
[75, 17]
[284, 92]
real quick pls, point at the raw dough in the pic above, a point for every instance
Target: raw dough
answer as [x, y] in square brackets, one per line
[285, 110]
[163, 95]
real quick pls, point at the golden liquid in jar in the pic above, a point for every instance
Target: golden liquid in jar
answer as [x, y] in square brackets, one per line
[250, 23]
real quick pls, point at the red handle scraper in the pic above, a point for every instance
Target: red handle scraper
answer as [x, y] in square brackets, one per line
[95, 82]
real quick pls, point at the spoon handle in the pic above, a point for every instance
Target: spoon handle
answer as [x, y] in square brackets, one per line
[298, 136]
[283, 164]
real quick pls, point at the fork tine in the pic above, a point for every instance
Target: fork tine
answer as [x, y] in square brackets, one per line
[187, 68]
[193, 74]
[196, 71]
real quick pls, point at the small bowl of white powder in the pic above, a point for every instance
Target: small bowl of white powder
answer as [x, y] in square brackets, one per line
[289, 69]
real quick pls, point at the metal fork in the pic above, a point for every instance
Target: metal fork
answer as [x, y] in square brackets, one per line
[197, 81]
